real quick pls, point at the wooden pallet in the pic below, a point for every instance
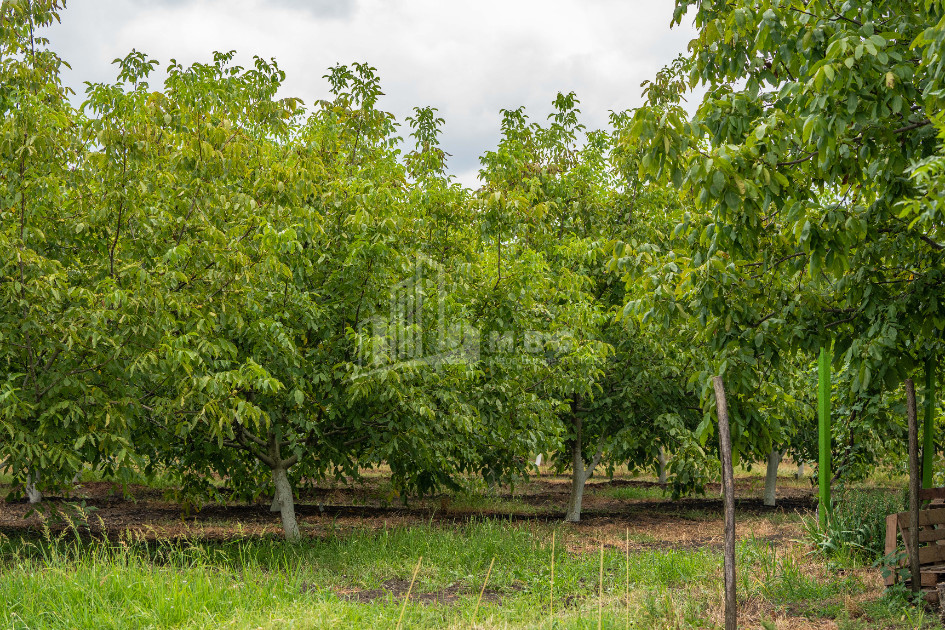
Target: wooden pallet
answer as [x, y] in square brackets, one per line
[931, 545]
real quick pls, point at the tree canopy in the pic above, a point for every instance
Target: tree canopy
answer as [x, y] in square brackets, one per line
[212, 280]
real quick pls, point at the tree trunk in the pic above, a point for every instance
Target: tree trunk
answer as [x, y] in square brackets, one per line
[579, 473]
[801, 473]
[284, 503]
[578, 480]
[771, 477]
[661, 458]
[33, 494]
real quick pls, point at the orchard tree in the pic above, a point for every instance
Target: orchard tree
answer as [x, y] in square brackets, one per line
[64, 352]
[623, 400]
[800, 161]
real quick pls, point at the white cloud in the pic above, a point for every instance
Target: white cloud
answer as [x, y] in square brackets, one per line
[467, 59]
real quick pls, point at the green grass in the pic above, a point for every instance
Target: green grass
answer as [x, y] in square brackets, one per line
[633, 493]
[65, 582]
[262, 582]
[477, 502]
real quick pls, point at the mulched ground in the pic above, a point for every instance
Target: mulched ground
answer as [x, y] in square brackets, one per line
[333, 508]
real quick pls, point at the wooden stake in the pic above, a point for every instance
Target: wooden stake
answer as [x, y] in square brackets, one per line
[478, 601]
[928, 428]
[728, 490]
[409, 589]
[914, 482]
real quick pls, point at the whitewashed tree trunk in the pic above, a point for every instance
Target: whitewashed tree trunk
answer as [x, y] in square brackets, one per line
[284, 503]
[576, 498]
[801, 473]
[771, 477]
[283, 500]
[579, 473]
[661, 458]
[33, 494]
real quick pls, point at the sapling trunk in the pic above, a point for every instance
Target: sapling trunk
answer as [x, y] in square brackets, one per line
[661, 458]
[33, 493]
[771, 477]
[728, 491]
[284, 503]
[579, 472]
[915, 481]
[577, 488]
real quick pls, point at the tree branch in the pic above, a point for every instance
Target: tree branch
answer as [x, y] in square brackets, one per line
[240, 437]
[799, 160]
[776, 262]
[595, 461]
[840, 321]
[765, 318]
[257, 440]
[931, 243]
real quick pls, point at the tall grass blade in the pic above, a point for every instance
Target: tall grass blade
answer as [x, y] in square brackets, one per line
[483, 590]
[551, 601]
[627, 551]
[600, 590]
[409, 589]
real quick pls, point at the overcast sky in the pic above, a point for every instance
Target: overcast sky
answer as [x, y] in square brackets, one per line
[468, 59]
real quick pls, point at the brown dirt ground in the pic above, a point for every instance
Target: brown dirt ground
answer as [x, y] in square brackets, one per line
[335, 508]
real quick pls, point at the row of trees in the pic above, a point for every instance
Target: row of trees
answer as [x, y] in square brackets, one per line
[206, 280]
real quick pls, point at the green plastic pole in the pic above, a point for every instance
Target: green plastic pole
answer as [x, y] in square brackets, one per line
[823, 413]
[928, 443]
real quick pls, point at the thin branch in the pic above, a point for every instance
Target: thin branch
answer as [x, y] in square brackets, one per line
[913, 126]
[258, 441]
[840, 15]
[840, 321]
[931, 243]
[799, 160]
[776, 262]
[240, 437]
[765, 318]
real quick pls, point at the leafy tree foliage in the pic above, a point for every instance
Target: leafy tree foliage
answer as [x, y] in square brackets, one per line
[626, 396]
[65, 356]
[811, 160]
[206, 278]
